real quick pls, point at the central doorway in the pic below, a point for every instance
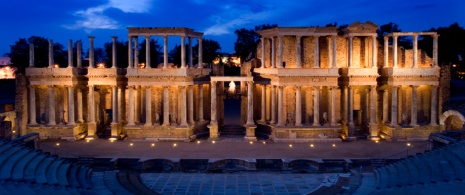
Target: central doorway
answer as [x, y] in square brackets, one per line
[232, 126]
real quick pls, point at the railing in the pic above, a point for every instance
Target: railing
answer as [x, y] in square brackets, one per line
[412, 151]
[53, 150]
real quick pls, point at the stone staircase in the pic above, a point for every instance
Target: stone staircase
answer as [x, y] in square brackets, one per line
[232, 131]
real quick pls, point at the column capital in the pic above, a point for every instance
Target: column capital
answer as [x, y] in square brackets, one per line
[298, 87]
[148, 86]
[165, 36]
[166, 87]
[280, 87]
[435, 36]
[50, 86]
[249, 82]
[91, 37]
[131, 87]
[182, 86]
[147, 36]
[69, 86]
[213, 82]
[415, 36]
[386, 38]
[394, 87]
[114, 37]
[414, 86]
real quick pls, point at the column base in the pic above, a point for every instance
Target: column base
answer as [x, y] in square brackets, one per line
[114, 130]
[247, 138]
[91, 129]
[183, 125]
[374, 138]
[351, 138]
[213, 131]
[250, 132]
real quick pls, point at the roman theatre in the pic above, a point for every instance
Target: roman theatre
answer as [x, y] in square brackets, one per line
[305, 84]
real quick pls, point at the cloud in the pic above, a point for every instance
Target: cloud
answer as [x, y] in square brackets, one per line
[94, 17]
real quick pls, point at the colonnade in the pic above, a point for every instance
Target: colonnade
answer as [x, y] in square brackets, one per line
[414, 36]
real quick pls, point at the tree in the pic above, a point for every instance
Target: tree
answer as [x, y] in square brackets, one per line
[390, 27]
[155, 51]
[19, 53]
[248, 39]
[121, 54]
[210, 50]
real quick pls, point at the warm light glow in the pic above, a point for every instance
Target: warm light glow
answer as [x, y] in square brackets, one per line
[87, 140]
[100, 65]
[264, 142]
[198, 142]
[232, 87]
[56, 66]
[112, 139]
[57, 144]
[174, 145]
[251, 142]
[153, 145]
[213, 142]
[408, 144]
[142, 65]
[334, 145]
[311, 145]
[14, 132]
[290, 145]
[131, 144]
[376, 141]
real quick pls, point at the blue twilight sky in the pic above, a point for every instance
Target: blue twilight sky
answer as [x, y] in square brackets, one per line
[61, 20]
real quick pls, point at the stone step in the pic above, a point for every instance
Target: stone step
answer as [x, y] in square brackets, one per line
[111, 182]
[51, 173]
[8, 154]
[7, 167]
[5, 147]
[29, 173]
[83, 178]
[20, 167]
[72, 175]
[62, 174]
[99, 184]
[41, 171]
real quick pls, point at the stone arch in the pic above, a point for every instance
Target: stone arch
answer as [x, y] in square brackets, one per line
[452, 116]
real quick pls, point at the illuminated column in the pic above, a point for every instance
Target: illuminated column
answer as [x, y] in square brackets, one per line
[434, 105]
[263, 110]
[394, 51]
[113, 49]
[317, 52]
[32, 105]
[273, 54]
[136, 54]
[183, 52]
[250, 103]
[394, 105]
[131, 105]
[298, 51]
[200, 54]
[70, 105]
[130, 61]
[91, 53]
[79, 55]
[148, 106]
[415, 50]
[350, 39]
[373, 100]
[147, 52]
[183, 107]
[273, 104]
[191, 61]
[298, 106]
[70, 53]
[351, 106]
[413, 119]
[79, 105]
[374, 48]
[263, 52]
[345, 104]
[316, 106]
[333, 106]
[201, 103]
[328, 40]
[120, 103]
[137, 102]
[280, 106]
[50, 53]
[114, 105]
[435, 50]
[280, 51]
[334, 51]
[213, 120]
[31, 55]
[190, 104]
[91, 105]
[386, 52]
[166, 106]
[51, 104]
[165, 51]
[385, 105]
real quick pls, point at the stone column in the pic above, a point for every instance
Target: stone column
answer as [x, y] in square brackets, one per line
[191, 60]
[273, 54]
[32, 105]
[51, 104]
[114, 105]
[131, 105]
[385, 105]
[263, 106]
[50, 54]
[148, 106]
[394, 51]
[374, 51]
[79, 55]
[166, 106]
[280, 51]
[386, 52]
[190, 104]
[435, 50]
[91, 104]
[262, 40]
[328, 40]
[317, 52]
[349, 63]
[130, 60]
[250, 103]
[183, 52]
[137, 102]
[413, 119]
[316, 106]
[273, 104]
[91, 54]
[333, 106]
[345, 94]
[70, 53]
[147, 52]
[183, 107]
[415, 50]
[121, 93]
[70, 105]
[298, 106]
[200, 53]
[351, 106]
[373, 100]
[333, 37]
[113, 51]
[165, 51]
[434, 105]
[136, 53]
[31, 55]
[298, 51]
[394, 105]
[280, 106]
[213, 120]
[201, 103]
[79, 105]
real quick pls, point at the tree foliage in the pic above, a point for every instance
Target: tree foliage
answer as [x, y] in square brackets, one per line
[155, 51]
[390, 27]
[121, 54]
[248, 39]
[210, 50]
